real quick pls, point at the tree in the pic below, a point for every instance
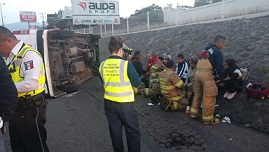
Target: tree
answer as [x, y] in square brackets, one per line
[204, 2]
[155, 13]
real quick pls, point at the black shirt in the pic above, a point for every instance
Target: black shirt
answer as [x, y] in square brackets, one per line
[8, 93]
[138, 66]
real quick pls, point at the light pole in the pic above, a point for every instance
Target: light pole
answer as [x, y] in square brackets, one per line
[2, 13]
[43, 19]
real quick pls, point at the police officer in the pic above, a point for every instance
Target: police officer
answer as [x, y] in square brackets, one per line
[204, 86]
[8, 99]
[119, 76]
[27, 131]
[170, 84]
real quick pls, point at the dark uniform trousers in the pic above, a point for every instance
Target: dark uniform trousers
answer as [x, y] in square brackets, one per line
[27, 131]
[119, 115]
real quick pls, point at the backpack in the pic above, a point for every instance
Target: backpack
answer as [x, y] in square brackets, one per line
[258, 91]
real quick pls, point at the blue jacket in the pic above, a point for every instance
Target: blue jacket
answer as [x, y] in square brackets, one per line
[216, 60]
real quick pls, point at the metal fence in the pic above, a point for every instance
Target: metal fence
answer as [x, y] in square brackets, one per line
[179, 16]
[219, 10]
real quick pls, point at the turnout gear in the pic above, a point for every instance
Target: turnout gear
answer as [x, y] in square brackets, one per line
[154, 85]
[170, 84]
[205, 90]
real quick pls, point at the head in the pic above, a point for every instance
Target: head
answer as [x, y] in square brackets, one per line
[7, 41]
[170, 64]
[180, 58]
[138, 55]
[193, 62]
[121, 39]
[150, 56]
[161, 58]
[166, 58]
[115, 47]
[220, 41]
[230, 64]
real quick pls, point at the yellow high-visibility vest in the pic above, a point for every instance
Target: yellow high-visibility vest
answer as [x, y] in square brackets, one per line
[116, 82]
[15, 66]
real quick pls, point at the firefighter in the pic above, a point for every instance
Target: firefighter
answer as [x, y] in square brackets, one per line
[204, 87]
[26, 66]
[155, 70]
[170, 84]
[127, 55]
[118, 77]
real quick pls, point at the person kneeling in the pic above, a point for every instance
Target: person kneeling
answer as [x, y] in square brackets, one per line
[170, 84]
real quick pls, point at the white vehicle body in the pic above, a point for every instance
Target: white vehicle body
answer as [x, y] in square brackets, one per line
[70, 58]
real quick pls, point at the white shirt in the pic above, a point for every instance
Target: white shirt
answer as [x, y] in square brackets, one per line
[31, 76]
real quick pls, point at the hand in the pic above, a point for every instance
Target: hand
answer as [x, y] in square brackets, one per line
[189, 84]
[3, 130]
[221, 84]
[185, 84]
[218, 81]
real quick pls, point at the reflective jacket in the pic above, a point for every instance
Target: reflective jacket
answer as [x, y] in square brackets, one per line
[116, 82]
[15, 66]
[170, 83]
[155, 71]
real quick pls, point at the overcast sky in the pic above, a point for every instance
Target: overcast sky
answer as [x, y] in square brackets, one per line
[127, 7]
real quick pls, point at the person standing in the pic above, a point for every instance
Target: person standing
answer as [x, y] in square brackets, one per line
[119, 76]
[8, 99]
[27, 131]
[204, 87]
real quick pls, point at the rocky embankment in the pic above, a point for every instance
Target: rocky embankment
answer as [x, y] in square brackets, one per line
[248, 44]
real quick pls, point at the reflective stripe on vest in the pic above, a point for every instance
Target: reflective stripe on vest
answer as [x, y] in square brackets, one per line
[15, 67]
[116, 82]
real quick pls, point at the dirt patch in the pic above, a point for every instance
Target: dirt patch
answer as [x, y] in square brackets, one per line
[241, 112]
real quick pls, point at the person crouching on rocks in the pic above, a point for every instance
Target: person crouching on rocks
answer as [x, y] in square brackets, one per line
[233, 78]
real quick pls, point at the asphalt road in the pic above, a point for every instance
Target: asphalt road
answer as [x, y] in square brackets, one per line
[76, 123]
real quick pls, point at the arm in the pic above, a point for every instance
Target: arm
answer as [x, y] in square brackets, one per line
[219, 65]
[8, 93]
[175, 79]
[31, 75]
[133, 75]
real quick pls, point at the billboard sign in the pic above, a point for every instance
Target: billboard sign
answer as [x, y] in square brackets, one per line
[27, 16]
[67, 13]
[87, 12]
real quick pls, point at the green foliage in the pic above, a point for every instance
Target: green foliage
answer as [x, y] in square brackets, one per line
[204, 2]
[150, 8]
[155, 14]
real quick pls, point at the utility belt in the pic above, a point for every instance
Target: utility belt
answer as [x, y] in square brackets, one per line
[28, 102]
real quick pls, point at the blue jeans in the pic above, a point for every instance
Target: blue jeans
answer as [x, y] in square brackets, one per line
[2, 144]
